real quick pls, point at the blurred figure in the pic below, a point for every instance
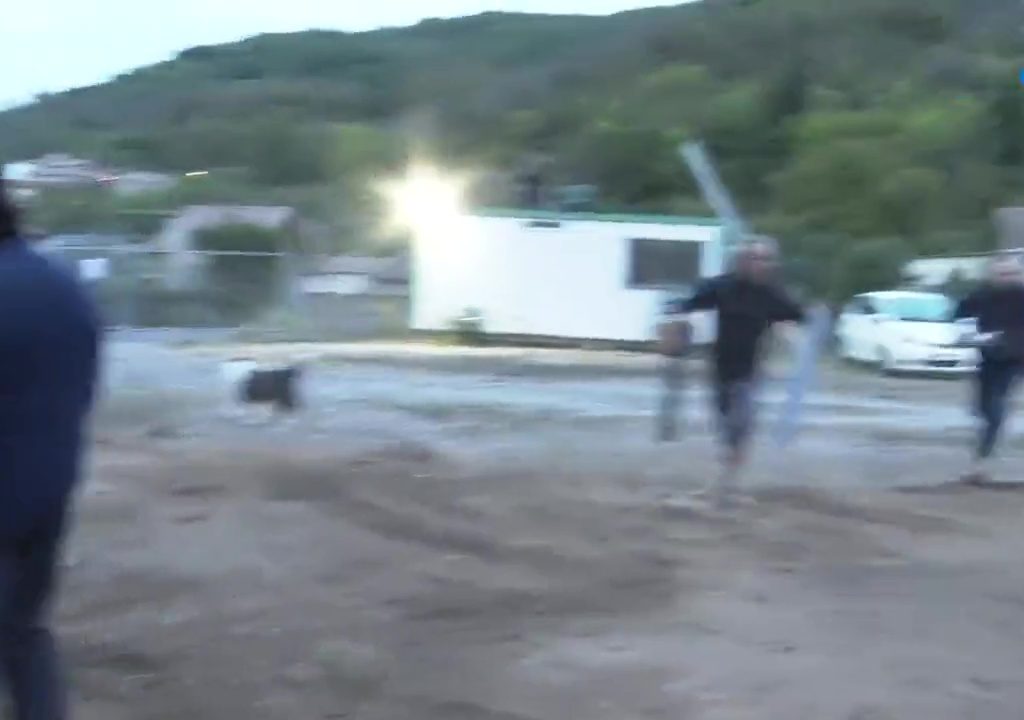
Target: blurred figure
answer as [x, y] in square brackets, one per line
[998, 308]
[48, 367]
[674, 339]
[531, 182]
[748, 301]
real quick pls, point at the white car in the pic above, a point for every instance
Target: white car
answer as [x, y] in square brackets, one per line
[904, 331]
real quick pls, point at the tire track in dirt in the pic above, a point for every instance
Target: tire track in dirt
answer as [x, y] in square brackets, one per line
[535, 565]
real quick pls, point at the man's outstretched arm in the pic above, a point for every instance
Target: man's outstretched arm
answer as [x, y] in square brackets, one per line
[675, 330]
[705, 297]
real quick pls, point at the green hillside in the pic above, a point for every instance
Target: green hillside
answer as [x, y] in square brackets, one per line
[866, 119]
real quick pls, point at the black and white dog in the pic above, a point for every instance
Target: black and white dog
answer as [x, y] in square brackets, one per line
[272, 388]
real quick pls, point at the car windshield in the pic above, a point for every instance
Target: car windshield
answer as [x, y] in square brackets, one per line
[918, 308]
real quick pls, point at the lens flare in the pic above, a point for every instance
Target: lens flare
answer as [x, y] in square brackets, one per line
[424, 200]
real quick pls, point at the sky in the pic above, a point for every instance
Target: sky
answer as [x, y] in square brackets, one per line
[54, 45]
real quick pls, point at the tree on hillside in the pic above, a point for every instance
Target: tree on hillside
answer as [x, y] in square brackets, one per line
[827, 118]
[1007, 113]
[786, 98]
[286, 152]
[868, 265]
[630, 166]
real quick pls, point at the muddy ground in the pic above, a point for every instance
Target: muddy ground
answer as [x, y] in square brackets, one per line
[474, 544]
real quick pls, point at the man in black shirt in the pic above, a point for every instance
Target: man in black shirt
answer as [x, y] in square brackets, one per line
[998, 308]
[748, 303]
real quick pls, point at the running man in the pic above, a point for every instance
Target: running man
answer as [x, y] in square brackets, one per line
[748, 302]
[998, 308]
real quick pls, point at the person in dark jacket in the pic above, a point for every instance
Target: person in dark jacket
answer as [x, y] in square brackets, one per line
[49, 338]
[748, 302]
[998, 309]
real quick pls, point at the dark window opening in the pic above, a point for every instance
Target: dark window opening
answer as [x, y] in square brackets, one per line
[547, 224]
[663, 264]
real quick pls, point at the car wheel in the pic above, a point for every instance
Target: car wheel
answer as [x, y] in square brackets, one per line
[886, 362]
[842, 349]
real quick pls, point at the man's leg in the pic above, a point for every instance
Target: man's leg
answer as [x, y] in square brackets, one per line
[983, 389]
[720, 405]
[989, 391]
[28, 654]
[672, 381]
[737, 419]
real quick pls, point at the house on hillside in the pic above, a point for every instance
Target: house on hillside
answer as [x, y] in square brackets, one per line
[350, 275]
[64, 171]
[938, 272]
[55, 171]
[560, 275]
[176, 240]
[132, 182]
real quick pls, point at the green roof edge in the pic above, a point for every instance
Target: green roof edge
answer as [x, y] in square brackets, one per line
[594, 217]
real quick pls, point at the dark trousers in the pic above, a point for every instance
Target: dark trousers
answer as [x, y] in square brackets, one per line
[672, 387]
[995, 381]
[28, 655]
[735, 404]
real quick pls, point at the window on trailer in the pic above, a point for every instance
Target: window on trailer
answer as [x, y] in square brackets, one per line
[663, 264]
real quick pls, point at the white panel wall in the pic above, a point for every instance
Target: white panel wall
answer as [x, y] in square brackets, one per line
[566, 282]
[336, 284]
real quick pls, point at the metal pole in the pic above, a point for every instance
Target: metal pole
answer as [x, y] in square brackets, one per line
[715, 193]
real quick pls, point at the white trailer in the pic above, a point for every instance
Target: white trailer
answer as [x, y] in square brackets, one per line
[573, 276]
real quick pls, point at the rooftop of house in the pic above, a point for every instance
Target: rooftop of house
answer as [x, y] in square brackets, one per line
[83, 240]
[142, 175]
[964, 257]
[563, 216]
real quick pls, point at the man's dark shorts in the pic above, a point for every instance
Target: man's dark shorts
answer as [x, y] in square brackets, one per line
[735, 402]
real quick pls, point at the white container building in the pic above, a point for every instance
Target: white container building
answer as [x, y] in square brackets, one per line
[561, 276]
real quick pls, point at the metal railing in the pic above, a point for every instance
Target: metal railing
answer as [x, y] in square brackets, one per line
[257, 295]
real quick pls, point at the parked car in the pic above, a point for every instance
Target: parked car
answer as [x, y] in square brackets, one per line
[903, 331]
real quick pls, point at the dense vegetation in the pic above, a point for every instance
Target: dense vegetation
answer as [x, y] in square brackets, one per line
[857, 130]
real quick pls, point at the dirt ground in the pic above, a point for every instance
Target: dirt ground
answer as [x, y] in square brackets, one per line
[441, 545]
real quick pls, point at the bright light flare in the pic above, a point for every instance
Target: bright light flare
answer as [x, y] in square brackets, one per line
[425, 200]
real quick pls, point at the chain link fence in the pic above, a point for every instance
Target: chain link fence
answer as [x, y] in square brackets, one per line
[257, 296]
